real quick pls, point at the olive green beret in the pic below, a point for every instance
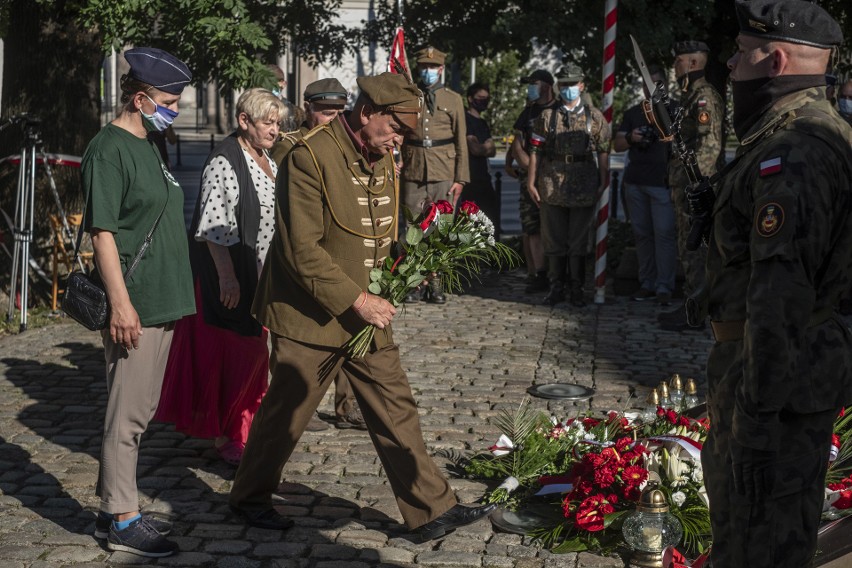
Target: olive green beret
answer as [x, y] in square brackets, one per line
[394, 93]
[430, 55]
[326, 91]
[569, 73]
[793, 21]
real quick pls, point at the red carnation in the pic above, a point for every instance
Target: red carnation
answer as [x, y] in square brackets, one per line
[469, 208]
[444, 206]
[623, 443]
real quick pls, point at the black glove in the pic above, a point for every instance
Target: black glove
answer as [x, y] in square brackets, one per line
[749, 469]
[701, 198]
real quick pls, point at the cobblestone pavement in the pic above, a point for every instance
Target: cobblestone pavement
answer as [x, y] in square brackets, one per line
[466, 361]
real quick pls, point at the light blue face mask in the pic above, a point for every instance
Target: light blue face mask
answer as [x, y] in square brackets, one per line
[533, 93]
[160, 120]
[570, 94]
[429, 76]
[844, 106]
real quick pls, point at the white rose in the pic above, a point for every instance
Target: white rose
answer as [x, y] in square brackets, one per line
[679, 497]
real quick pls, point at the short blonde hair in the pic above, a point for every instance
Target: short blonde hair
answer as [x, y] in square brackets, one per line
[260, 104]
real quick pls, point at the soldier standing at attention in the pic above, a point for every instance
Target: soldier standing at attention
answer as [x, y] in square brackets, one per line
[780, 255]
[702, 132]
[434, 157]
[335, 215]
[565, 182]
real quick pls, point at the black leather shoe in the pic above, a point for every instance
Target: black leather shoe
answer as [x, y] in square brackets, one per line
[412, 297]
[456, 517]
[263, 518]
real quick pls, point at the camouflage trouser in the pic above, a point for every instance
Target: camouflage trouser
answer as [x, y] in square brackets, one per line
[778, 530]
[693, 261]
[529, 211]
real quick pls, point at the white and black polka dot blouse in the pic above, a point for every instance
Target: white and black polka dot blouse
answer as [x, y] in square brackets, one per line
[220, 194]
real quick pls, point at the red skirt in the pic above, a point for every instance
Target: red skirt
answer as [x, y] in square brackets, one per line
[214, 379]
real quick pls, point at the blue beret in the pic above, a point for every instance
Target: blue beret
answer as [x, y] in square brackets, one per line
[158, 68]
[793, 21]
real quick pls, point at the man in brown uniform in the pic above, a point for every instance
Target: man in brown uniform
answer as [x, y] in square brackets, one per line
[434, 157]
[335, 214]
[324, 100]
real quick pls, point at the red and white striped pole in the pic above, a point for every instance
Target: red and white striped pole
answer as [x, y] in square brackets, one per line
[610, 18]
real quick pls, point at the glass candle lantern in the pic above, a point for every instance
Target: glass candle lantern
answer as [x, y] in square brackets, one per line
[651, 528]
[649, 412]
[676, 391]
[691, 398]
[663, 390]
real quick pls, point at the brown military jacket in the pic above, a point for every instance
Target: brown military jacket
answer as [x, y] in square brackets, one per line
[447, 162]
[779, 259]
[568, 174]
[701, 130]
[285, 143]
[335, 215]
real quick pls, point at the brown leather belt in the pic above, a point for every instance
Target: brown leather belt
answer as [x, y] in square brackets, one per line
[428, 143]
[725, 331]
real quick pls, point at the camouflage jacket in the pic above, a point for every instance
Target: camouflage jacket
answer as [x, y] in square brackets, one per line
[567, 140]
[701, 129]
[780, 257]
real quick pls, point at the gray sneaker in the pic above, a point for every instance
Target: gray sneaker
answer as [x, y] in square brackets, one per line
[104, 521]
[142, 539]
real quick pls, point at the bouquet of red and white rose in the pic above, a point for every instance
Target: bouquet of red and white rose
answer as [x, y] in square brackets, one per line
[456, 243]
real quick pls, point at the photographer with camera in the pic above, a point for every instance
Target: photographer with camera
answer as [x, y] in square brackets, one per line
[649, 203]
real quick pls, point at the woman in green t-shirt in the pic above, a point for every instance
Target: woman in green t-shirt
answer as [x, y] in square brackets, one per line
[130, 193]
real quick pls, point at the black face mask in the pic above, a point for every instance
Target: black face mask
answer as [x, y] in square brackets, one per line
[480, 105]
[752, 98]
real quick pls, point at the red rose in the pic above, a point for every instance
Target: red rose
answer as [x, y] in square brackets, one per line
[430, 213]
[835, 441]
[444, 206]
[683, 421]
[661, 411]
[671, 416]
[469, 208]
[845, 500]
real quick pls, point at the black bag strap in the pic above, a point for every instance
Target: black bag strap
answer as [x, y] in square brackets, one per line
[145, 244]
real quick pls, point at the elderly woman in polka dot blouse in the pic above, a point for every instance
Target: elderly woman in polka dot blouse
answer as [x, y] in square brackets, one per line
[218, 365]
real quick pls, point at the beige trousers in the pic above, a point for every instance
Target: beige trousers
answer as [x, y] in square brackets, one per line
[134, 379]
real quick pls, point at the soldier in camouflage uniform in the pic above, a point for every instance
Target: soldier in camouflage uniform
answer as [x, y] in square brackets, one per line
[702, 132]
[565, 181]
[780, 255]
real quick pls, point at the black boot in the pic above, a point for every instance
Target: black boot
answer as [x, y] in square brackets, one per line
[556, 294]
[577, 270]
[435, 293]
[414, 296]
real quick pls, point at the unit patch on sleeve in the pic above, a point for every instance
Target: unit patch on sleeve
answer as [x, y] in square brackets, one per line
[769, 220]
[704, 117]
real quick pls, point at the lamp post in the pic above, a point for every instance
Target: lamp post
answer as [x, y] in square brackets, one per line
[651, 528]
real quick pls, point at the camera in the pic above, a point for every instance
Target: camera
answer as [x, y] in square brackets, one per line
[649, 136]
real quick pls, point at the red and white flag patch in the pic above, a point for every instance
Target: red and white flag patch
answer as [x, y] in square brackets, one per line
[771, 166]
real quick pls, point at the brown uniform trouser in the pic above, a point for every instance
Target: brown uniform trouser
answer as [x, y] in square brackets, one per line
[301, 374]
[415, 194]
[134, 379]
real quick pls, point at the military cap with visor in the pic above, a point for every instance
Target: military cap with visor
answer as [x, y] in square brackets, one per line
[327, 92]
[539, 75]
[158, 68]
[792, 21]
[569, 73]
[430, 55]
[689, 46]
[396, 94]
